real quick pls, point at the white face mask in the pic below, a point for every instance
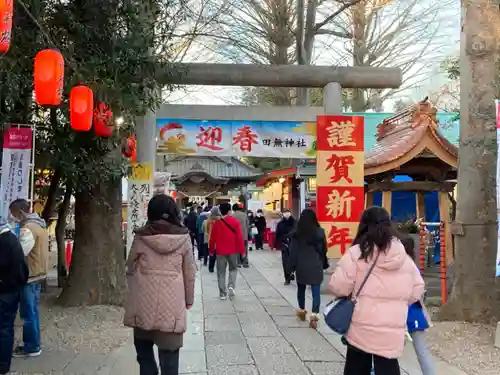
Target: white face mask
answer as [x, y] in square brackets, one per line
[286, 215]
[259, 214]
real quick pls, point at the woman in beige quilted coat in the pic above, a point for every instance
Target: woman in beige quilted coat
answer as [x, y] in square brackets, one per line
[161, 275]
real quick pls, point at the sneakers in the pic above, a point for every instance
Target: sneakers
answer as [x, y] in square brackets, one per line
[231, 291]
[313, 321]
[223, 297]
[20, 353]
[301, 314]
[287, 282]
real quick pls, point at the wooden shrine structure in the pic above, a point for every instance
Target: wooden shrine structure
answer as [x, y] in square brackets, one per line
[205, 176]
[409, 143]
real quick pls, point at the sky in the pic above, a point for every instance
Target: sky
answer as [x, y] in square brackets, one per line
[438, 30]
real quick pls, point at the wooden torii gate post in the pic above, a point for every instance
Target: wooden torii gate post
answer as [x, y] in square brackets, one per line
[332, 79]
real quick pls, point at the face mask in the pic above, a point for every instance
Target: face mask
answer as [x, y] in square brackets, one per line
[259, 215]
[286, 215]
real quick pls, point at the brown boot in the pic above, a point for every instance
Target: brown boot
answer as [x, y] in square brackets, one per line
[301, 314]
[313, 321]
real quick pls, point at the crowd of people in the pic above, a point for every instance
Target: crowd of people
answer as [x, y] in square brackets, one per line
[377, 272]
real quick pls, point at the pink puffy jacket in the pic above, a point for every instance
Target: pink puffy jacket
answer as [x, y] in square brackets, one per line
[161, 275]
[379, 320]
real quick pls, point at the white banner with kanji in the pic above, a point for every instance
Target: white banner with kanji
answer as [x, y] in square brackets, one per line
[139, 192]
[16, 163]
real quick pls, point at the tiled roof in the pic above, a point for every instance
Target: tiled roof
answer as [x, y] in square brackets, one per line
[400, 133]
[217, 167]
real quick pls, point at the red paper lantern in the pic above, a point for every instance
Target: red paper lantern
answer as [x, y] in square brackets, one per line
[49, 77]
[103, 120]
[6, 13]
[81, 107]
[129, 149]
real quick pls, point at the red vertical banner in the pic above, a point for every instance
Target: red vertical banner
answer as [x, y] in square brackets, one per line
[340, 179]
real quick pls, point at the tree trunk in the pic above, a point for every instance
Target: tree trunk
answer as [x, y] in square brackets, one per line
[476, 291]
[358, 101]
[62, 271]
[97, 271]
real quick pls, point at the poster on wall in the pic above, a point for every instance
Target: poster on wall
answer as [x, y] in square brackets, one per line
[140, 188]
[340, 192]
[279, 139]
[497, 106]
[16, 164]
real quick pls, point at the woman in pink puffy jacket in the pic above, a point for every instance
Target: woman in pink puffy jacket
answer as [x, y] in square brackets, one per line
[377, 331]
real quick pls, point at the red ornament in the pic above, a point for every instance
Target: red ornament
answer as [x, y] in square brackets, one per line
[103, 120]
[6, 13]
[173, 194]
[129, 149]
[81, 106]
[49, 77]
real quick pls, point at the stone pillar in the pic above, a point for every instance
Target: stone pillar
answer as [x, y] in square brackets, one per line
[145, 134]
[332, 103]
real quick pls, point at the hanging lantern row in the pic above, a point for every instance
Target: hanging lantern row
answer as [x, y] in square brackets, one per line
[6, 14]
[49, 83]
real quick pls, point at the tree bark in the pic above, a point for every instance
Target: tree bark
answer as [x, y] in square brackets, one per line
[476, 290]
[97, 271]
[358, 101]
[62, 271]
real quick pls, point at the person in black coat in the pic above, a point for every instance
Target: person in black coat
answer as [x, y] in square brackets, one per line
[308, 260]
[260, 224]
[13, 277]
[282, 242]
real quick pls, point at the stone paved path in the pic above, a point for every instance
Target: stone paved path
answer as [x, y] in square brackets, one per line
[255, 333]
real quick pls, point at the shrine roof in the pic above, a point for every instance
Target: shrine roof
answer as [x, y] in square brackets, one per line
[216, 167]
[407, 134]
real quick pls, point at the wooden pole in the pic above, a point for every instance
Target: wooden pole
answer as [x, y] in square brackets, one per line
[442, 264]
[421, 259]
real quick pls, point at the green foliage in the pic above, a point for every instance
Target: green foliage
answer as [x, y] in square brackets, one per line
[108, 46]
[452, 68]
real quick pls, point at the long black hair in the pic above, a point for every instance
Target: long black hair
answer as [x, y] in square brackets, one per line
[163, 207]
[375, 229]
[307, 226]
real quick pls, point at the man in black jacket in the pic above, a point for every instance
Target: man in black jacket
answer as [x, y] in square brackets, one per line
[282, 241]
[13, 277]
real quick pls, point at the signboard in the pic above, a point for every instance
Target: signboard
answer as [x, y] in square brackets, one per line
[139, 192]
[278, 139]
[340, 191]
[16, 163]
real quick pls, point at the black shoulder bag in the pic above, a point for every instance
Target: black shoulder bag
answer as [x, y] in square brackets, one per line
[338, 313]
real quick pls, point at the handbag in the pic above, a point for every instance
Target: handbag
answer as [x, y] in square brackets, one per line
[338, 313]
[254, 231]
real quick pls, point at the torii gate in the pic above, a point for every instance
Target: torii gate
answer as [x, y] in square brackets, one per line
[331, 79]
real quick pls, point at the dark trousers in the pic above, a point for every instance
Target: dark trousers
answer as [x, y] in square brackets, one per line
[204, 255]
[9, 303]
[285, 261]
[193, 239]
[243, 259]
[359, 362]
[211, 263]
[259, 241]
[316, 297]
[169, 360]
[200, 240]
